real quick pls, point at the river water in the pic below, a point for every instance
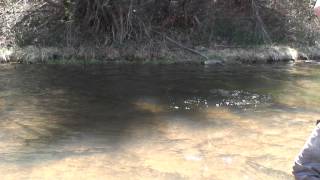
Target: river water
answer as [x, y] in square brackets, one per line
[155, 121]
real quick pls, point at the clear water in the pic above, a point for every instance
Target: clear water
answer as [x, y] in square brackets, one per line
[155, 122]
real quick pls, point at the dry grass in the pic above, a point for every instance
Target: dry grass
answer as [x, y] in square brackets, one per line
[155, 53]
[266, 54]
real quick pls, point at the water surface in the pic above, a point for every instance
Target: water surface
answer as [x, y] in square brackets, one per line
[155, 122]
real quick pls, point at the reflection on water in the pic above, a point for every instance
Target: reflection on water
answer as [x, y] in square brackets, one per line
[163, 122]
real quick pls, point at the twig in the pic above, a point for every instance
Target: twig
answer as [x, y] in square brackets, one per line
[182, 46]
[265, 33]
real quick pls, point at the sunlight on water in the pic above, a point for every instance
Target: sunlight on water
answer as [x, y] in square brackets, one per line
[70, 124]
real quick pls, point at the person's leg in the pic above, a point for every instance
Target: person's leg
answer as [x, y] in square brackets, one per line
[307, 164]
[317, 8]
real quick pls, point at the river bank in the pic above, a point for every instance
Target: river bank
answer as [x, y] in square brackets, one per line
[198, 55]
[157, 32]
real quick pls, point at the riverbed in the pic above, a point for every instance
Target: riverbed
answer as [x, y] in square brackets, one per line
[155, 121]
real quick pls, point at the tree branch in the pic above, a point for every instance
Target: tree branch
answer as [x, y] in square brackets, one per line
[52, 3]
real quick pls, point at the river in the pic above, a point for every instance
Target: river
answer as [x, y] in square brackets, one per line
[155, 121]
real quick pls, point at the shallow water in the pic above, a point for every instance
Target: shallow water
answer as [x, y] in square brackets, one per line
[155, 122]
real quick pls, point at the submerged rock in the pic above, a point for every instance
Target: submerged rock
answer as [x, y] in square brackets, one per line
[2, 104]
[274, 173]
[213, 62]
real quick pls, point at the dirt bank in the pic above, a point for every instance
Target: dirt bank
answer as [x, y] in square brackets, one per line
[263, 54]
